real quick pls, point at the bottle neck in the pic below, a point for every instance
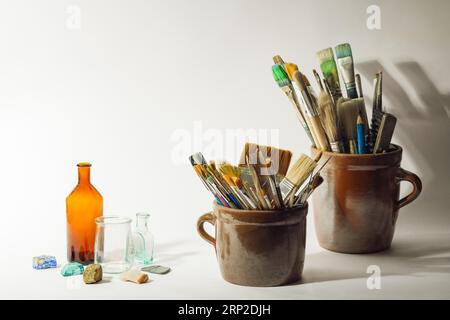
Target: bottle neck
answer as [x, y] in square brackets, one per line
[84, 175]
[142, 221]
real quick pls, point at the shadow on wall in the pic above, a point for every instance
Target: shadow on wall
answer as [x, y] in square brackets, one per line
[423, 132]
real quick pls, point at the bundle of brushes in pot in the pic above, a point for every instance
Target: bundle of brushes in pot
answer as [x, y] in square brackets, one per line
[331, 121]
[263, 179]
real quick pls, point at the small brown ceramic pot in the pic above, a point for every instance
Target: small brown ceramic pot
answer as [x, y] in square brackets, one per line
[258, 248]
[356, 207]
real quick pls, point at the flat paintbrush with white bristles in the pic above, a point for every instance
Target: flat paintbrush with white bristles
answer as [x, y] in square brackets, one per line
[295, 177]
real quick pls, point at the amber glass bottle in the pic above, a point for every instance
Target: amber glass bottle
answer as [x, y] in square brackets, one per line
[83, 205]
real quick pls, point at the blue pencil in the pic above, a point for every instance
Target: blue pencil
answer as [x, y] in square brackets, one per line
[360, 135]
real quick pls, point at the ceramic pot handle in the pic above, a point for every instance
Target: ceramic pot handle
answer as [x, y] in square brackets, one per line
[404, 175]
[207, 217]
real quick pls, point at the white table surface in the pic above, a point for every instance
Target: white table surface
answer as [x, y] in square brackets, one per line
[416, 267]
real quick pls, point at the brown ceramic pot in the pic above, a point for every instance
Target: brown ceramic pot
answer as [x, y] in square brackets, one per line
[258, 248]
[356, 207]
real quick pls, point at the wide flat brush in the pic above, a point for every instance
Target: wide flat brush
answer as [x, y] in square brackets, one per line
[297, 174]
[348, 113]
[330, 122]
[345, 62]
[279, 158]
[385, 132]
[329, 71]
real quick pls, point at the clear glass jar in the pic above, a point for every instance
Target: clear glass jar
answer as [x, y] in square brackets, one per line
[113, 244]
[143, 240]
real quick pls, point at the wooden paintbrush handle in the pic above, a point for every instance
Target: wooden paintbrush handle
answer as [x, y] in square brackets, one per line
[319, 133]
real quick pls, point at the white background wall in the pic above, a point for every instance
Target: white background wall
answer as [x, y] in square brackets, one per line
[115, 91]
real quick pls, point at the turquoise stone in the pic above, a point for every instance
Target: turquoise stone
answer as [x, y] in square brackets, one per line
[72, 269]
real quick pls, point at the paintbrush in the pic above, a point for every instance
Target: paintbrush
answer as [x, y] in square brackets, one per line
[291, 69]
[263, 198]
[198, 170]
[285, 84]
[221, 185]
[197, 158]
[384, 132]
[319, 81]
[329, 71]
[210, 184]
[379, 92]
[312, 111]
[303, 195]
[231, 175]
[279, 158]
[328, 90]
[330, 122]
[348, 113]
[269, 182]
[198, 161]
[295, 177]
[358, 85]
[278, 60]
[345, 62]
[377, 110]
[251, 188]
[316, 181]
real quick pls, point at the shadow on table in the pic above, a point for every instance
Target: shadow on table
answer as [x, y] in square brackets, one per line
[412, 257]
[167, 253]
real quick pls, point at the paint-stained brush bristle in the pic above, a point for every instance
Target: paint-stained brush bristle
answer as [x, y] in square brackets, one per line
[325, 55]
[290, 69]
[343, 50]
[280, 76]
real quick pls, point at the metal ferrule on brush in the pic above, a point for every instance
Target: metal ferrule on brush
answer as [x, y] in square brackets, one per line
[337, 146]
[350, 87]
[352, 146]
[286, 188]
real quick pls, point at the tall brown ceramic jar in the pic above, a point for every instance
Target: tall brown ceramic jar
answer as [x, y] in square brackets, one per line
[356, 207]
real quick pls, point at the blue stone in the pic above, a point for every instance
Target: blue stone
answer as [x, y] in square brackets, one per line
[44, 262]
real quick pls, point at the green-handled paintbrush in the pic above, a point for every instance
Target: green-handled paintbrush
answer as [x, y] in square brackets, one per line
[282, 79]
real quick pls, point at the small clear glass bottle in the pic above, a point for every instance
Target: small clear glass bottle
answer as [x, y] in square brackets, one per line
[143, 240]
